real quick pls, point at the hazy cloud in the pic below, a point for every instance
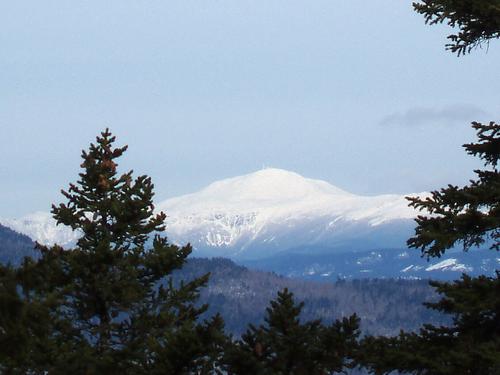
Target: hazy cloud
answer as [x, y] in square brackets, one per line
[449, 115]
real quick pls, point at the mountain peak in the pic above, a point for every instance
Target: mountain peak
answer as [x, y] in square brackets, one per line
[274, 209]
[262, 212]
[267, 183]
[269, 172]
[269, 186]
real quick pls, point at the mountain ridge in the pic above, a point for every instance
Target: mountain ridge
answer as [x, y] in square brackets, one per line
[258, 214]
[262, 213]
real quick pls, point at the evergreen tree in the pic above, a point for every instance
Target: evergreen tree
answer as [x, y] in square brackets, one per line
[477, 21]
[24, 329]
[284, 345]
[469, 215]
[112, 307]
[470, 345]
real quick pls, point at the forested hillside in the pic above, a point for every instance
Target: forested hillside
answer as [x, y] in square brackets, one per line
[14, 246]
[241, 296]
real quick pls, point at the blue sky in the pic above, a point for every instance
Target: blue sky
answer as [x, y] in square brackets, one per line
[361, 94]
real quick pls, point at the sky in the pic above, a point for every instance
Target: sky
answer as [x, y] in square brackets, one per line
[359, 93]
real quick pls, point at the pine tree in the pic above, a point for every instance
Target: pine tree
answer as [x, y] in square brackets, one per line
[113, 307]
[468, 215]
[285, 345]
[24, 329]
[478, 21]
[469, 345]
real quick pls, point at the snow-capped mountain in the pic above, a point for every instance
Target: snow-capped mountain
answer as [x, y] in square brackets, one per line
[271, 210]
[41, 227]
[260, 214]
[280, 221]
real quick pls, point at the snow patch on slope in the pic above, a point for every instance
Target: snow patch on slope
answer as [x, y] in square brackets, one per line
[450, 264]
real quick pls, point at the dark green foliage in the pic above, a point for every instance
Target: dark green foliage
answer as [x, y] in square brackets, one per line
[469, 215]
[477, 21]
[24, 328]
[470, 346]
[108, 305]
[285, 345]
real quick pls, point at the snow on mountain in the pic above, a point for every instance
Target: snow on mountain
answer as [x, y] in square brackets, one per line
[276, 192]
[450, 264]
[41, 227]
[262, 213]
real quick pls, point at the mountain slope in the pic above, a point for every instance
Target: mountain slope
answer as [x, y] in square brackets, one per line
[264, 213]
[14, 246]
[260, 214]
[241, 295]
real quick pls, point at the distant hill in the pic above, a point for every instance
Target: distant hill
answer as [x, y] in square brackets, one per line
[241, 296]
[14, 246]
[320, 265]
